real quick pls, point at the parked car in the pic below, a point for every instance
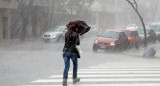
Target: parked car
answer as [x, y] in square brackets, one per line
[111, 40]
[56, 34]
[156, 28]
[151, 35]
[133, 37]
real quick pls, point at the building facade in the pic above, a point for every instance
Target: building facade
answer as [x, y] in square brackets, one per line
[11, 23]
[6, 6]
[106, 11]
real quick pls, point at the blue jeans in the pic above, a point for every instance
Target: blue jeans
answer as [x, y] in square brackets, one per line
[67, 56]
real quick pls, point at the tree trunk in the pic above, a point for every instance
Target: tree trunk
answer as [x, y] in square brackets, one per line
[144, 28]
[23, 30]
[34, 24]
[50, 23]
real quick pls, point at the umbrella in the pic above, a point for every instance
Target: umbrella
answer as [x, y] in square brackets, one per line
[82, 25]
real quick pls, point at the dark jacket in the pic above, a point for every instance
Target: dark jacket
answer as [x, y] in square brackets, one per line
[70, 44]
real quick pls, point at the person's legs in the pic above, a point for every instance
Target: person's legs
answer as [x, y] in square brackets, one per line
[75, 64]
[75, 67]
[66, 59]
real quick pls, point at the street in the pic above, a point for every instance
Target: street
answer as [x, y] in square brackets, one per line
[120, 42]
[35, 63]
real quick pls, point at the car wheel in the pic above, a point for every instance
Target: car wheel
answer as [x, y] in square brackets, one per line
[131, 45]
[61, 39]
[154, 41]
[46, 41]
[95, 49]
[118, 48]
[126, 46]
[137, 45]
[159, 39]
[141, 43]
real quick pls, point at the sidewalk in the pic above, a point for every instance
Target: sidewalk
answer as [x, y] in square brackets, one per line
[141, 50]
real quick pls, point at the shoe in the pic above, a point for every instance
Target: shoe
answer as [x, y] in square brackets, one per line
[76, 80]
[64, 83]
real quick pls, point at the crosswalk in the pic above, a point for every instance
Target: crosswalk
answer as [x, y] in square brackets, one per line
[108, 76]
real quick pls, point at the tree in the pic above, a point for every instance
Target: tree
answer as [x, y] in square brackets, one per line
[63, 11]
[79, 7]
[57, 12]
[24, 12]
[155, 6]
[23, 15]
[34, 17]
[52, 12]
[135, 7]
[149, 10]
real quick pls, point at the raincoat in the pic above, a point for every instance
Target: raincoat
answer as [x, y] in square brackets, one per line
[70, 44]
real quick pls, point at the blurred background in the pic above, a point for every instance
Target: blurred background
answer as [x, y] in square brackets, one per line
[31, 18]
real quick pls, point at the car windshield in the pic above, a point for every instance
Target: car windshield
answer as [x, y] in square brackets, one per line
[128, 33]
[131, 33]
[110, 34]
[155, 27]
[141, 31]
[57, 29]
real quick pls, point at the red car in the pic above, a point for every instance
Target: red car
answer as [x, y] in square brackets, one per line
[133, 37]
[111, 40]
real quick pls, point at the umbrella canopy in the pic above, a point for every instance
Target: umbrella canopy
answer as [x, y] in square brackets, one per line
[82, 25]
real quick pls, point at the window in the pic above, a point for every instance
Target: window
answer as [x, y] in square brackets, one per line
[123, 34]
[128, 33]
[134, 33]
[110, 34]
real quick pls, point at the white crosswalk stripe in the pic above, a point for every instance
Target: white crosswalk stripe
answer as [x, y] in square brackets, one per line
[104, 76]
[110, 76]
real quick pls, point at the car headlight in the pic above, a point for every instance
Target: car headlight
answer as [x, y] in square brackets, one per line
[53, 36]
[112, 43]
[96, 41]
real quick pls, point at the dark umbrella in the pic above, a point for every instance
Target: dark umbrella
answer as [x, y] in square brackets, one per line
[82, 25]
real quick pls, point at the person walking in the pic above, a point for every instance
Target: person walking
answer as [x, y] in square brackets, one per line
[70, 52]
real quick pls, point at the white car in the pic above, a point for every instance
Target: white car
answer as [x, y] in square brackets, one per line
[56, 34]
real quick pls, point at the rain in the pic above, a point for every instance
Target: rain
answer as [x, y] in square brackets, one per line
[121, 47]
